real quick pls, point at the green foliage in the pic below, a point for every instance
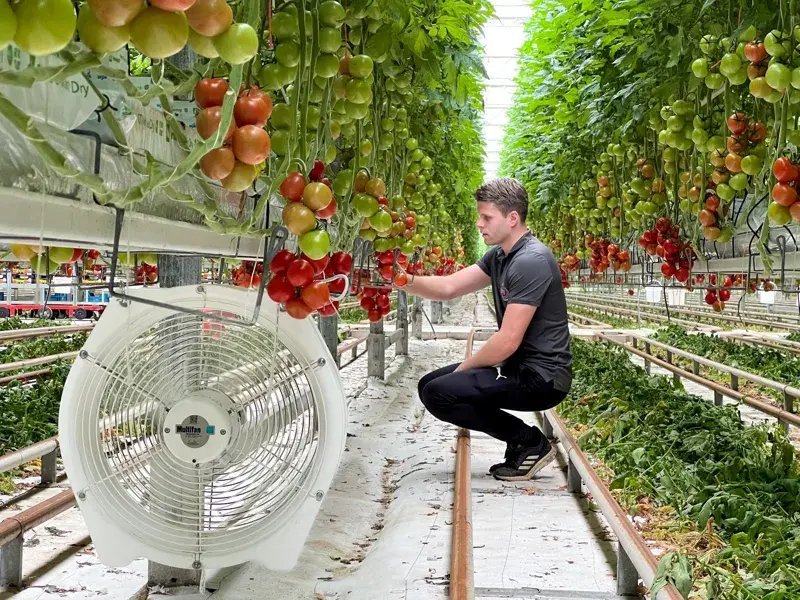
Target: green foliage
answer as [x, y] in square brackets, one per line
[772, 364]
[681, 451]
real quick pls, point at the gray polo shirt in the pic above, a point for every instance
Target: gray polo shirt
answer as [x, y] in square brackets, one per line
[529, 274]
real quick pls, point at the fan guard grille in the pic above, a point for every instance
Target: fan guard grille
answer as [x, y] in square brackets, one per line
[212, 506]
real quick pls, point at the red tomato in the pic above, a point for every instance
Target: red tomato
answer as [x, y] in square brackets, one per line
[375, 315]
[737, 123]
[281, 261]
[327, 311]
[300, 273]
[318, 171]
[328, 211]
[279, 289]
[385, 310]
[724, 295]
[411, 222]
[369, 292]
[386, 272]
[319, 264]
[784, 170]
[383, 301]
[292, 187]
[341, 263]
[367, 304]
[316, 295]
[210, 92]
[386, 258]
[401, 279]
[337, 285]
[784, 194]
[298, 309]
[667, 270]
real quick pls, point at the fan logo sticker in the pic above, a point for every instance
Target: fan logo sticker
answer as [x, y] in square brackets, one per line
[194, 431]
[504, 292]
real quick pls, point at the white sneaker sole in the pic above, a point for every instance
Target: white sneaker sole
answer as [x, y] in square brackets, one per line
[538, 466]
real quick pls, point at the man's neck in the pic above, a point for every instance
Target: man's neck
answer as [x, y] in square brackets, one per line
[508, 244]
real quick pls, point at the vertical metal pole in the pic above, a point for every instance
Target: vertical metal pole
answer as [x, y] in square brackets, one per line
[401, 346]
[49, 467]
[573, 478]
[788, 406]
[695, 367]
[647, 362]
[547, 428]
[627, 576]
[174, 271]
[329, 328]
[717, 398]
[376, 351]
[436, 312]
[734, 382]
[416, 318]
[11, 563]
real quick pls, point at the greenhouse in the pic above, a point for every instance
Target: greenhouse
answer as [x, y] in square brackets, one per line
[400, 299]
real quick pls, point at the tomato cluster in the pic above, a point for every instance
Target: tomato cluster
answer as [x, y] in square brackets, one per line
[246, 145]
[310, 201]
[664, 240]
[146, 272]
[304, 284]
[158, 29]
[604, 254]
[376, 302]
[785, 206]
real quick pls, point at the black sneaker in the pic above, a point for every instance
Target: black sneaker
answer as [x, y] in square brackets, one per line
[505, 463]
[524, 463]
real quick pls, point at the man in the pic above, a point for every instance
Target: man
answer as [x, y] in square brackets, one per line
[527, 364]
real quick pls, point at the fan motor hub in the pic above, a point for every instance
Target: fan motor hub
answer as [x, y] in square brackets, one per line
[198, 429]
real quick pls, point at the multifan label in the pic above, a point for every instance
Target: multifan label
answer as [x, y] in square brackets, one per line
[194, 431]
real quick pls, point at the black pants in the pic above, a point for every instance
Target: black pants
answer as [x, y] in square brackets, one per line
[475, 399]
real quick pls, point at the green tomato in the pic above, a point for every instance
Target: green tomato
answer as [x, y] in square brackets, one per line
[284, 25]
[237, 44]
[8, 24]
[715, 142]
[341, 184]
[43, 26]
[365, 205]
[700, 138]
[287, 53]
[315, 244]
[682, 107]
[725, 192]
[739, 77]
[327, 66]
[675, 123]
[412, 144]
[361, 66]
[751, 164]
[739, 181]
[381, 221]
[793, 137]
[730, 64]
[708, 44]
[725, 235]
[358, 91]
[330, 40]
[204, 46]
[779, 214]
[749, 34]
[281, 117]
[356, 111]
[778, 76]
[331, 13]
[97, 37]
[775, 44]
[368, 234]
[280, 142]
[714, 81]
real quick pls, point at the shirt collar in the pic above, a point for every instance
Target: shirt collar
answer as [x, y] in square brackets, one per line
[520, 243]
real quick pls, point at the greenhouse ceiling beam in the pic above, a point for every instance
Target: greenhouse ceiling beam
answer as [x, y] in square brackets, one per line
[28, 217]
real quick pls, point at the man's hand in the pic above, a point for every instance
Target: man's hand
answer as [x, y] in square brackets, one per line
[506, 341]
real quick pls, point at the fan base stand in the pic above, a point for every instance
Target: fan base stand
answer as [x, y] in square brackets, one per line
[171, 577]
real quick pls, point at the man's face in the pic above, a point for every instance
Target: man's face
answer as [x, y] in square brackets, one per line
[493, 225]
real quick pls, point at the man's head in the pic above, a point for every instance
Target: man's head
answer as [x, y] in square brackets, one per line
[502, 208]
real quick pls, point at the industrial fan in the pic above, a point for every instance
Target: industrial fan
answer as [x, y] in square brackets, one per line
[201, 443]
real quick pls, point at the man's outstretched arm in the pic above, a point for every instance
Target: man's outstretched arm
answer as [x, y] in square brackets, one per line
[447, 287]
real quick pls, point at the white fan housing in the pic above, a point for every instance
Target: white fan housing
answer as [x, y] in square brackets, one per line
[197, 443]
